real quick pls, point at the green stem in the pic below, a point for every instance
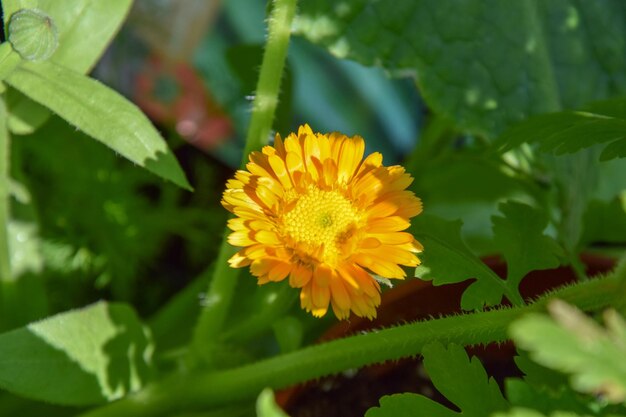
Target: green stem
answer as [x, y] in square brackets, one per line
[222, 287]
[215, 304]
[268, 86]
[7, 286]
[578, 267]
[219, 388]
[5, 266]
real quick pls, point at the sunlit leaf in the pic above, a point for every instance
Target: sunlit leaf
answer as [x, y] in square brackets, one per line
[101, 113]
[86, 356]
[462, 381]
[483, 64]
[571, 342]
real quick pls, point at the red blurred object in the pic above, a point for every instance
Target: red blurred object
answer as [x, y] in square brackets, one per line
[173, 94]
[352, 395]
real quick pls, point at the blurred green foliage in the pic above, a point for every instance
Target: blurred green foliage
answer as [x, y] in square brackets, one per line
[438, 85]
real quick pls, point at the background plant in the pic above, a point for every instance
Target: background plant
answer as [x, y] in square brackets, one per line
[78, 223]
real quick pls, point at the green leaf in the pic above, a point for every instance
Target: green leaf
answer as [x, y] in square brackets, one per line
[571, 342]
[85, 27]
[519, 235]
[547, 391]
[9, 61]
[462, 381]
[266, 405]
[570, 131]
[446, 259]
[25, 115]
[484, 64]
[605, 222]
[87, 356]
[289, 333]
[101, 113]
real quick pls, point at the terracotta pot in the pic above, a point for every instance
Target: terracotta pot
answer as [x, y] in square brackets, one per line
[352, 393]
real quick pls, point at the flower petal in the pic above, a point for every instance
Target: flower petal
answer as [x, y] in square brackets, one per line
[279, 271]
[300, 276]
[388, 224]
[349, 158]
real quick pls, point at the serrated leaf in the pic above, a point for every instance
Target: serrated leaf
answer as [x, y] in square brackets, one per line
[266, 405]
[570, 131]
[483, 64]
[101, 113]
[462, 381]
[87, 356]
[446, 259]
[519, 236]
[571, 342]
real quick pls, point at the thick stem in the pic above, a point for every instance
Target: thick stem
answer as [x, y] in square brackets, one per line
[218, 388]
[216, 303]
[222, 288]
[268, 86]
[5, 266]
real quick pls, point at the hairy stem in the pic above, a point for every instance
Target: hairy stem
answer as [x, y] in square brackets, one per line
[219, 388]
[222, 287]
[268, 85]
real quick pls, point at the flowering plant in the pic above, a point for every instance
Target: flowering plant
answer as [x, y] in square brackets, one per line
[520, 153]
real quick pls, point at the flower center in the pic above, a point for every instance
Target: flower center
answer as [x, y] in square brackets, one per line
[320, 222]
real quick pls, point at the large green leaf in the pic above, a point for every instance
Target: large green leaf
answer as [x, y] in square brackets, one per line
[569, 131]
[99, 112]
[571, 342]
[519, 236]
[446, 259]
[86, 356]
[462, 381]
[483, 63]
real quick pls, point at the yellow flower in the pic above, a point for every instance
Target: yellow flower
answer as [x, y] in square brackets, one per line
[311, 209]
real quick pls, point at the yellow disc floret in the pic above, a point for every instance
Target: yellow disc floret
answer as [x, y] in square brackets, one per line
[320, 221]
